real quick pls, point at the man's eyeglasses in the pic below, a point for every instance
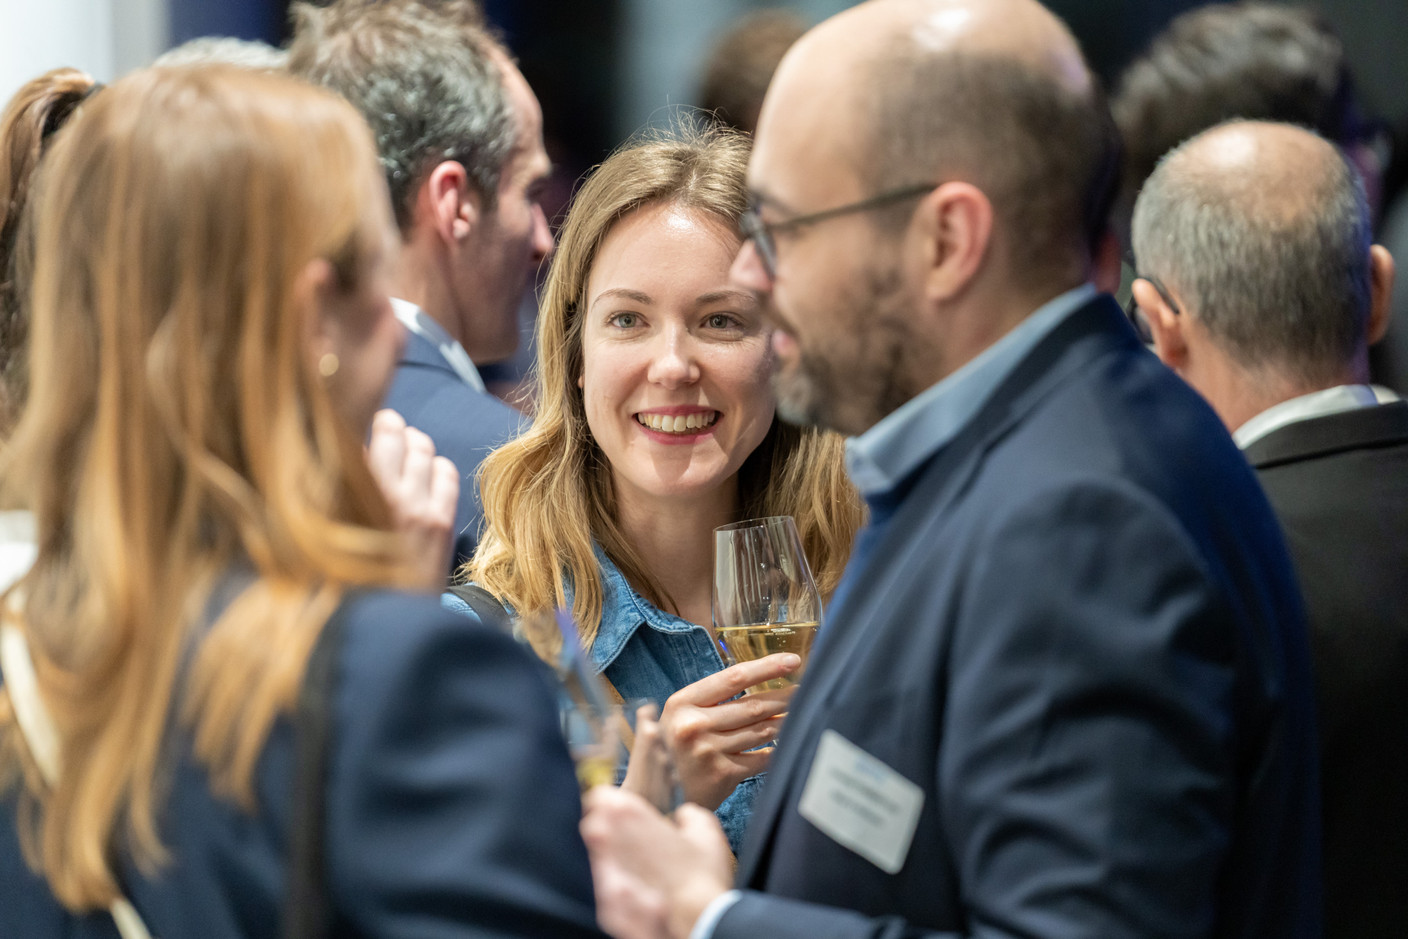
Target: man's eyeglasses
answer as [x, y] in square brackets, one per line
[763, 234]
[1136, 316]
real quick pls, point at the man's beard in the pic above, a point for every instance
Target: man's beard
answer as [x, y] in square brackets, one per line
[856, 380]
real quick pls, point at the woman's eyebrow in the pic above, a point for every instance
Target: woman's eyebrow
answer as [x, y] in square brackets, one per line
[625, 293]
[718, 296]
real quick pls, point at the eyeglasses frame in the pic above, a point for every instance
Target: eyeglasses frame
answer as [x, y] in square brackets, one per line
[1136, 316]
[763, 234]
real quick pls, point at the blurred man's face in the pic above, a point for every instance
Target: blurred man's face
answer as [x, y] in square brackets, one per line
[513, 239]
[836, 298]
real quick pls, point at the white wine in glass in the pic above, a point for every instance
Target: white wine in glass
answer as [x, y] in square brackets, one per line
[765, 599]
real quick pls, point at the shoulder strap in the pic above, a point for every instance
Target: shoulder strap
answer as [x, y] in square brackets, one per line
[484, 604]
[37, 729]
[307, 912]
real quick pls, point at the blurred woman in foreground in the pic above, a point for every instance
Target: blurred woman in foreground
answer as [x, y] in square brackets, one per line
[211, 336]
[27, 127]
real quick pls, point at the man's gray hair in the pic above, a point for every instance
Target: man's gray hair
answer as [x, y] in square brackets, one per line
[224, 50]
[1280, 280]
[425, 79]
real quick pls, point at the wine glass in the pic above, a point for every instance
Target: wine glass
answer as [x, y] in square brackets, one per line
[591, 720]
[764, 597]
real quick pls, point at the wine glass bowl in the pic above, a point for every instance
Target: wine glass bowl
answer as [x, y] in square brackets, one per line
[764, 597]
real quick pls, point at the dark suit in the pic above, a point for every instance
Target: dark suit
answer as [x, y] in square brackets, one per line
[1340, 487]
[1079, 636]
[466, 424]
[452, 806]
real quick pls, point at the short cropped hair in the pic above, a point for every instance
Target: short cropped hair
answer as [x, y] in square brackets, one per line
[1277, 269]
[1044, 154]
[1257, 61]
[424, 76]
[224, 50]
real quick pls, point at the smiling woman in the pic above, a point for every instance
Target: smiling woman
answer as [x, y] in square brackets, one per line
[655, 426]
[675, 368]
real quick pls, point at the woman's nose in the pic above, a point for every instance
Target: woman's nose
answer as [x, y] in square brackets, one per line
[674, 362]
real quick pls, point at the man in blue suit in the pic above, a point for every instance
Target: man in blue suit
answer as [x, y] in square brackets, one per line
[460, 135]
[1063, 688]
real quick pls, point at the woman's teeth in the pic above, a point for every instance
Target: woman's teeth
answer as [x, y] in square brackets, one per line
[678, 424]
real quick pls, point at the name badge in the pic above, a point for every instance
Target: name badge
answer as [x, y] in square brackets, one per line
[860, 803]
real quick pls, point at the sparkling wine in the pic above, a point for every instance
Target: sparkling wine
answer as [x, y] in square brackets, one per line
[745, 643]
[595, 770]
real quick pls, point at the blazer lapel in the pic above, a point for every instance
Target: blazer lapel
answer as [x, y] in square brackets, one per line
[421, 351]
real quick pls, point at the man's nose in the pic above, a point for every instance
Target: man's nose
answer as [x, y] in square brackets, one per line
[543, 244]
[748, 271]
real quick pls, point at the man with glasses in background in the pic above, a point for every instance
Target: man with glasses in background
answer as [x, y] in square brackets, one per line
[1269, 296]
[1063, 688]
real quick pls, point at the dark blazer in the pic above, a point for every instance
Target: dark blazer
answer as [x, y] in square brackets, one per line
[1340, 487]
[464, 423]
[1080, 637]
[452, 806]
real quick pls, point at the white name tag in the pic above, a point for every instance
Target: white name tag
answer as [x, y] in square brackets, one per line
[861, 803]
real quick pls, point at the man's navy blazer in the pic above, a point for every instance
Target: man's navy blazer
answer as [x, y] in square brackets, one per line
[465, 424]
[1080, 637]
[451, 805]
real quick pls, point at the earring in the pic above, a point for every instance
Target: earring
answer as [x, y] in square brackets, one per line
[328, 365]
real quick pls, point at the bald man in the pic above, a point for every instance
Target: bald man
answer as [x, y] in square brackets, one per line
[1063, 689]
[1262, 290]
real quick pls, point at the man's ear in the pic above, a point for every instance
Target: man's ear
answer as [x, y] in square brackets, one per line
[1381, 271]
[956, 224]
[449, 201]
[1166, 326]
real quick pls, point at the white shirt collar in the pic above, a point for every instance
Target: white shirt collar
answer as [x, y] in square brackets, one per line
[419, 322]
[1316, 404]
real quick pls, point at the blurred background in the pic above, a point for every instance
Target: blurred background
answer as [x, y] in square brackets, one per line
[607, 69]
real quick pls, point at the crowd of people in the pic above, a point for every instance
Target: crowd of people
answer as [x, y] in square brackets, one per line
[1114, 640]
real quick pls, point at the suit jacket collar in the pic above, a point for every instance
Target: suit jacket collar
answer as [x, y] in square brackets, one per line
[1376, 426]
[1097, 328]
[1090, 332]
[421, 351]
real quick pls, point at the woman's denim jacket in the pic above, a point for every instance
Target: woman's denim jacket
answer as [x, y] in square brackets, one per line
[648, 655]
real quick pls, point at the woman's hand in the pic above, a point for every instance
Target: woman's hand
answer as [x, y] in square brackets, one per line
[712, 737]
[423, 490]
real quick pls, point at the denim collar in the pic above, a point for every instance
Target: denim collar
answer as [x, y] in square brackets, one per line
[886, 454]
[623, 612]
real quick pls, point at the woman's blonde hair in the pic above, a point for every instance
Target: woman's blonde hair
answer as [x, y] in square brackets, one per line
[548, 494]
[177, 432]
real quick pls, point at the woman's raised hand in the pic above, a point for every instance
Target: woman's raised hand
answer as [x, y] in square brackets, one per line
[423, 490]
[712, 734]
